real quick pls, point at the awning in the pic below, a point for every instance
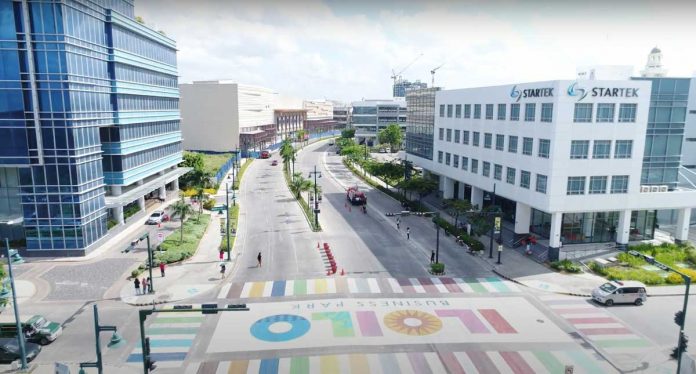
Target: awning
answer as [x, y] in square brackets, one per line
[147, 187]
[11, 219]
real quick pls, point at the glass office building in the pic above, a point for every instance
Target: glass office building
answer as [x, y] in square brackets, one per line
[89, 119]
[421, 121]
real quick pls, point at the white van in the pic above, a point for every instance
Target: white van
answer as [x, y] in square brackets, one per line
[616, 292]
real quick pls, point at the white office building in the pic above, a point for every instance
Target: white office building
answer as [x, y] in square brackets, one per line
[565, 158]
[371, 116]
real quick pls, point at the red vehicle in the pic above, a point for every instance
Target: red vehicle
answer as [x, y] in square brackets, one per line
[274, 163]
[265, 154]
[355, 196]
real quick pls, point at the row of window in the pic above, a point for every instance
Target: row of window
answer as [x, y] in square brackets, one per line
[135, 43]
[145, 76]
[137, 102]
[576, 185]
[601, 149]
[123, 163]
[583, 112]
[543, 150]
[136, 131]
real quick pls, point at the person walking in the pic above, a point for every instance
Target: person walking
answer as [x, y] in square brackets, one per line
[222, 270]
[222, 253]
[398, 223]
[258, 258]
[161, 266]
[136, 283]
[408, 233]
[149, 285]
[432, 257]
[143, 283]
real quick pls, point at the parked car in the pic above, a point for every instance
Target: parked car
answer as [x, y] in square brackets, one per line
[9, 350]
[156, 217]
[265, 154]
[615, 292]
[36, 328]
[274, 163]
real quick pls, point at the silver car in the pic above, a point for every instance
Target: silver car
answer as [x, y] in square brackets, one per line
[620, 292]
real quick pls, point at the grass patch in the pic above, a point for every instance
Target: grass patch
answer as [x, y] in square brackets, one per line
[174, 250]
[241, 173]
[234, 214]
[213, 162]
[565, 265]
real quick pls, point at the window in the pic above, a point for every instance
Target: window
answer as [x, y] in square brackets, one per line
[546, 112]
[455, 161]
[474, 166]
[527, 145]
[439, 156]
[598, 185]
[449, 110]
[499, 142]
[458, 111]
[456, 135]
[441, 134]
[623, 148]
[619, 184]
[448, 158]
[477, 138]
[465, 137]
[487, 140]
[498, 172]
[489, 111]
[544, 148]
[605, 112]
[449, 135]
[477, 111]
[583, 113]
[511, 175]
[512, 144]
[465, 163]
[525, 179]
[601, 149]
[579, 149]
[442, 110]
[486, 169]
[627, 112]
[541, 183]
[514, 112]
[467, 110]
[501, 112]
[529, 112]
[576, 186]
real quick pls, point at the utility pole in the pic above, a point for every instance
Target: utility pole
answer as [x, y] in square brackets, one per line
[149, 260]
[227, 213]
[116, 341]
[316, 197]
[20, 334]
[492, 214]
[437, 238]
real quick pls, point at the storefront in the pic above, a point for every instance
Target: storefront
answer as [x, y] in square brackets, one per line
[594, 227]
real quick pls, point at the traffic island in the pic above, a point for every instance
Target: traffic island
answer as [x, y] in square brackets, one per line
[437, 269]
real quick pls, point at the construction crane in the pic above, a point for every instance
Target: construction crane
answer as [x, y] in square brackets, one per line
[397, 76]
[432, 73]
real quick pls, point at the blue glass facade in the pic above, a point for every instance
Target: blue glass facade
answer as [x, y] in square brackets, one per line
[91, 101]
[665, 132]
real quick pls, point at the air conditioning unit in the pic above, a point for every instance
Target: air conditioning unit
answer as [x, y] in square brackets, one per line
[644, 189]
[664, 188]
[654, 188]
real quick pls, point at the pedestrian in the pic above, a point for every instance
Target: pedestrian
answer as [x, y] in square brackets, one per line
[144, 284]
[222, 270]
[149, 285]
[398, 223]
[258, 258]
[161, 266]
[408, 233]
[529, 248]
[432, 257]
[221, 254]
[136, 283]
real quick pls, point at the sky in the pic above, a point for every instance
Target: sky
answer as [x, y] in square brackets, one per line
[347, 49]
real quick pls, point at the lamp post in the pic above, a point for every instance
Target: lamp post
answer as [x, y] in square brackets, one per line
[20, 335]
[490, 251]
[316, 198]
[437, 238]
[149, 260]
[227, 209]
[116, 341]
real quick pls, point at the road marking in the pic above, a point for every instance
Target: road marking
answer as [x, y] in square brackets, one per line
[440, 287]
[394, 284]
[417, 287]
[372, 283]
[224, 291]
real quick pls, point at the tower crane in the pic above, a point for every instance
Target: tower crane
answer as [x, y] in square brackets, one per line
[396, 76]
[432, 73]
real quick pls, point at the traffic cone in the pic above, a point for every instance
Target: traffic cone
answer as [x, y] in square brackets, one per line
[343, 272]
[318, 246]
[159, 225]
[328, 272]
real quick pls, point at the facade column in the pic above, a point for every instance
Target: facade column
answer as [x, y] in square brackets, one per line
[523, 218]
[141, 202]
[118, 214]
[476, 197]
[116, 190]
[175, 184]
[461, 191]
[555, 236]
[163, 192]
[447, 187]
[683, 220]
[624, 229]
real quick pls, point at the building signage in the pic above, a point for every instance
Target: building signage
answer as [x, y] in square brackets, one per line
[530, 92]
[575, 90]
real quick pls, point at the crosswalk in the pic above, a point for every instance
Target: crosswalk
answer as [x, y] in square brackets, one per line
[473, 361]
[351, 285]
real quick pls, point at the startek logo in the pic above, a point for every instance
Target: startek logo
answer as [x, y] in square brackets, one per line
[530, 92]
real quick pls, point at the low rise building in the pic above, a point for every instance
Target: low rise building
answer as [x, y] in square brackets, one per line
[370, 116]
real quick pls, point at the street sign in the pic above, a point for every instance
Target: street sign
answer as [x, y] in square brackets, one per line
[497, 225]
[160, 237]
[500, 247]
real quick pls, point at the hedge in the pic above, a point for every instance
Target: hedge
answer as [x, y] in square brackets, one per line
[171, 250]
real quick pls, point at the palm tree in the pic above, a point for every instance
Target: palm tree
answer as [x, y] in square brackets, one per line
[288, 153]
[299, 184]
[181, 209]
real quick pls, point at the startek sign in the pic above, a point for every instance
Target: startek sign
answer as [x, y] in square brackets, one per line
[530, 92]
[575, 90]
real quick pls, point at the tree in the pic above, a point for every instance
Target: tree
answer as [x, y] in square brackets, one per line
[181, 209]
[354, 152]
[139, 20]
[482, 221]
[456, 208]
[194, 177]
[301, 135]
[391, 135]
[348, 133]
[287, 152]
[299, 184]
[419, 185]
[390, 172]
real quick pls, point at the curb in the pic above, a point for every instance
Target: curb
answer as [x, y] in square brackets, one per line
[522, 284]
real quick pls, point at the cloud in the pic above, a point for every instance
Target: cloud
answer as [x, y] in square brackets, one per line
[347, 50]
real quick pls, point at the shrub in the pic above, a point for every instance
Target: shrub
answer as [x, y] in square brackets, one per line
[174, 250]
[111, 223]
[438, 268]
[135, 273]
[622, 273]
[597, 268]
[209, 204]
[565, 265]
[190, 192]
[674, 279]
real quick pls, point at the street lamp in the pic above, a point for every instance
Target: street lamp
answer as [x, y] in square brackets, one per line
[227, 208]
[115, 342]
[437, 237]
[146, 236]
[316, 197]
[490, 251]
[20, 335]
